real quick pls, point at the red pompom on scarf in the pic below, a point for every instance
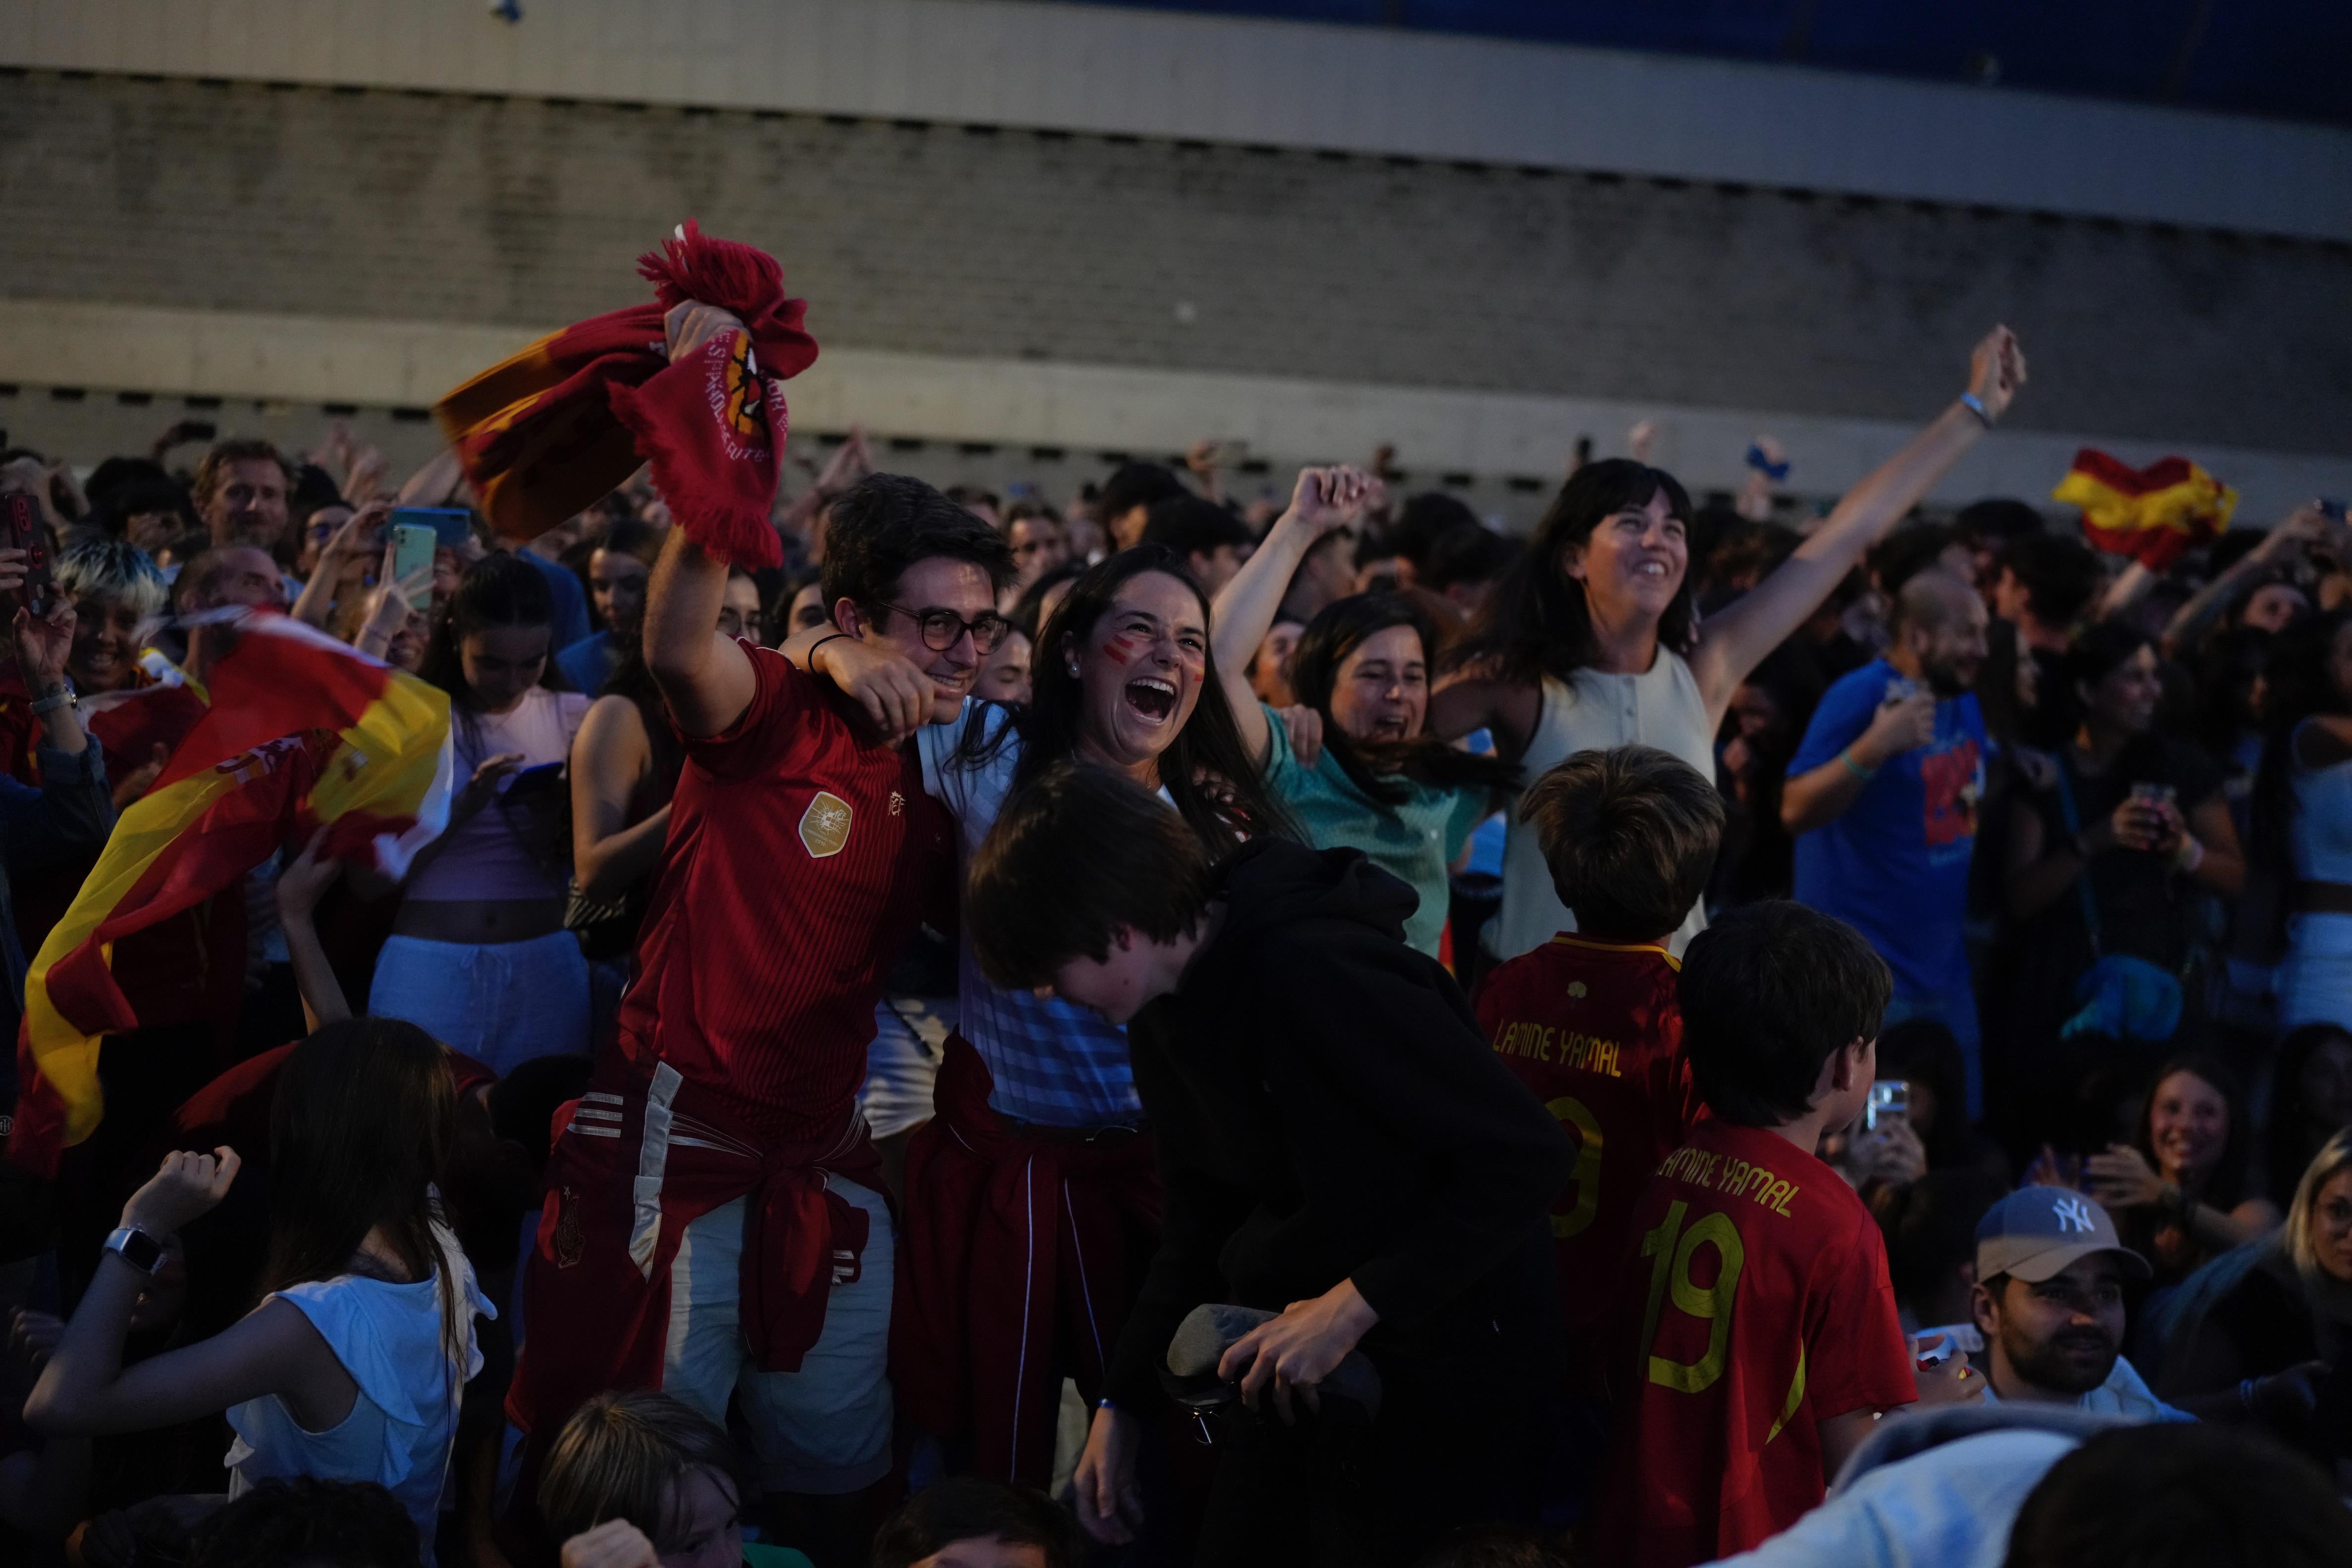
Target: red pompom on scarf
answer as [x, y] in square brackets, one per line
[546, 433]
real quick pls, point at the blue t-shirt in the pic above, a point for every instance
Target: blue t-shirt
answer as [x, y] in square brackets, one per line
[589, 662]
[571, 599]
[1895, 864]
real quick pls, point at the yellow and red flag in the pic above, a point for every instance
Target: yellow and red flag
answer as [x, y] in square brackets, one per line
[301, 731]
[2155, 514]
[542, 434]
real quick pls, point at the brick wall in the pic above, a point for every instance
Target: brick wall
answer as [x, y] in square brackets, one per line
[940, 240]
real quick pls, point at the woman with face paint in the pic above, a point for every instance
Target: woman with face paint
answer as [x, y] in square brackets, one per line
[1593, 641]
[1354, 761]
[1031, 1199]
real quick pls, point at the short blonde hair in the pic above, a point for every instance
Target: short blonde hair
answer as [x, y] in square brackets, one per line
[2333, 1158]
[626, 1455]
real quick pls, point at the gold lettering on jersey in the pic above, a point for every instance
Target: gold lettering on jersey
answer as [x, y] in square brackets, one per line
[1564, 1048]
[1739, 1178]
[825, 826]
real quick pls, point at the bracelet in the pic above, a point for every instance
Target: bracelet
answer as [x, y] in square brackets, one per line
[1857, 769]
[830, 637]
[1975, 405]
[2190, 855]
[1106, 1405]
[63, 696]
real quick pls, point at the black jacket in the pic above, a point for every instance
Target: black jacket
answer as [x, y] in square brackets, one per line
[1326, 1108]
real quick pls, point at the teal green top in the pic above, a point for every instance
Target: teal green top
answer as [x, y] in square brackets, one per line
[1414, 842]
[756, 1555]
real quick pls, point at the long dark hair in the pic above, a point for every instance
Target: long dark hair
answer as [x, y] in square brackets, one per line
[632, 679]
[1206, 770]
[1537, 622]
[2225, 1189]
[2297, 684]
[362, 1125]
[1385, 771]
[496, 590]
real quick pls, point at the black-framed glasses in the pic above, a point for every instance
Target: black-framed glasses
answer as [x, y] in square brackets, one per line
[942, 629]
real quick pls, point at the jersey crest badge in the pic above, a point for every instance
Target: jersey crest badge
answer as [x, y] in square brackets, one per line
[825, 826]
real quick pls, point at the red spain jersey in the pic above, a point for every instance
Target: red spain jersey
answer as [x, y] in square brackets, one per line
[798, 862]
[1755, 1304]
[1593, 1029]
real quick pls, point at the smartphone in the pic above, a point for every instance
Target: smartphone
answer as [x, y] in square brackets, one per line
[1890, 1102]
[2155, 794]
[26, 532]
[412, 552]
[451, 525]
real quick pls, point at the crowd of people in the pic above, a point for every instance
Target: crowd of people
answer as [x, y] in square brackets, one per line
[1166, 1029]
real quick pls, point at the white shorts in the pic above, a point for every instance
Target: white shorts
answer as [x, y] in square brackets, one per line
[825, 1429]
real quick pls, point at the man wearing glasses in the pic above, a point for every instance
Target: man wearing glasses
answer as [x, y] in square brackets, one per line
[714, 1224]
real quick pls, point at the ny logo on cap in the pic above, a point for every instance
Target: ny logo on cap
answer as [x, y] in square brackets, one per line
[2071, 1214]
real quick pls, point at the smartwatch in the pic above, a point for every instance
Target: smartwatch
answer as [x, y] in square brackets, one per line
[138, 1249]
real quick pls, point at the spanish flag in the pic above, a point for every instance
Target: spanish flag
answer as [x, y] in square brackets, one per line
[2154, 515]
[544, 434]
[301, 731]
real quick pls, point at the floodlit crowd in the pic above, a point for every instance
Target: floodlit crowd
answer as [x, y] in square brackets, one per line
[1198, 1021]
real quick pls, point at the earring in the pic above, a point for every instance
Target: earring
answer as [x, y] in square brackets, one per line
[1074, 669]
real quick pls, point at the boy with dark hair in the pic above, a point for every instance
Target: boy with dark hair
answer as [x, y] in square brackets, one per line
[1128, 497]
[1756, 1338]
[967, 1519]
[1212, 540]
[1335, 1145]
[1587, 1021]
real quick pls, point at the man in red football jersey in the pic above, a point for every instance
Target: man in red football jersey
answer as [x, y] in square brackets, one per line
[1587, 1021]
[1755, 1341]
[714, 1225]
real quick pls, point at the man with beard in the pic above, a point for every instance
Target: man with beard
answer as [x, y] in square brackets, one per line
[1882, 800]
[2049, 1306]
[241, 490]
[2049, 1322]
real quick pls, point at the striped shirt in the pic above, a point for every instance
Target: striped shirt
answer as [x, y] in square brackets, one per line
[1053, 1064]
[800, 861]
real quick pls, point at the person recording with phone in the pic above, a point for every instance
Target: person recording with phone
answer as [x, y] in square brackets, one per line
[478, 956]
[2101, 868]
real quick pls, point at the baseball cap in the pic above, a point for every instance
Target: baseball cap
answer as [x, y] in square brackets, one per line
[2036, 1231]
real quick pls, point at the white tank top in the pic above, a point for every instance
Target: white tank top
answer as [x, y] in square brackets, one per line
[2321, 842]
[401, 1424]
[1595, 711]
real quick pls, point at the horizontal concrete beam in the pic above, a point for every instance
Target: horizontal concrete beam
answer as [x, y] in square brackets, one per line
[1494, 435]
[1359, 90]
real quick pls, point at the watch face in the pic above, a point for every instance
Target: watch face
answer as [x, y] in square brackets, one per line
[140, 1250]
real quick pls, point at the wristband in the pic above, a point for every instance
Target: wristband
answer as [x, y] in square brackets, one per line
[830, 637]
[2190, 855]
[1857, 769]
[1975, 405]
[64, 696]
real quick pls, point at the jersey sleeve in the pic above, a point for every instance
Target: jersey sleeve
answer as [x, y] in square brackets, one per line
[1846, 710]
[785, 709]
[1857, 1356]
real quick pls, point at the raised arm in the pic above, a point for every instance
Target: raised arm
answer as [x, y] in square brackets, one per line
[1737, 640]
[2216, 597]
[1322, 500]
[706, 679]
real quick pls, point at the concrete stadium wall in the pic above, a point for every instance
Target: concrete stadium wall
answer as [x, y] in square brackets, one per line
[978, 286]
